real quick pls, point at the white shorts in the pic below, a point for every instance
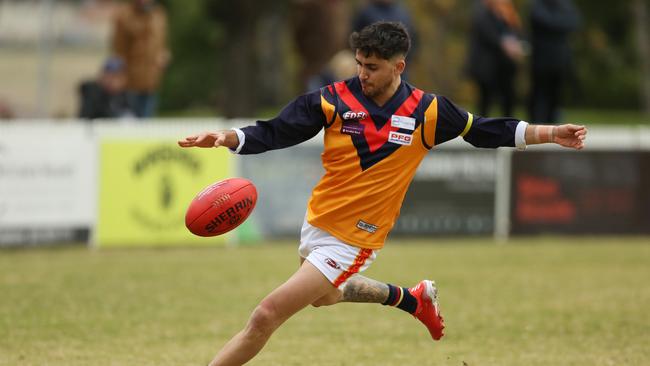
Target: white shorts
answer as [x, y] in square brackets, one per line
[335, 259]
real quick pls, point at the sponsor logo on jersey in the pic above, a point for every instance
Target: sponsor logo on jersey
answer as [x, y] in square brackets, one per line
[406, 123]
[367, 227]
[352, 115]
[332, 263]
[352, 128]
[400, 138]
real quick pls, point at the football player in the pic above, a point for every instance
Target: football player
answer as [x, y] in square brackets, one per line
[377, 130]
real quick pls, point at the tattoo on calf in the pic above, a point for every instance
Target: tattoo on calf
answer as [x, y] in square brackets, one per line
[364, 289]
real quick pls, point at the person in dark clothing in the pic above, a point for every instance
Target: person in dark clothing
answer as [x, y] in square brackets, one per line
[387, 10]
[495, 49]
[552, 21]
[106, 97]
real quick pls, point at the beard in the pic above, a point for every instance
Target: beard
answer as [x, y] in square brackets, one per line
[373, 90]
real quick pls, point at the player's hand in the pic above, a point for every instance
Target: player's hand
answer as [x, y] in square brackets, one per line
[569, 135]
[205, 139]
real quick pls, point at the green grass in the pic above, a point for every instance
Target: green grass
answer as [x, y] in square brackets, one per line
[550, 301]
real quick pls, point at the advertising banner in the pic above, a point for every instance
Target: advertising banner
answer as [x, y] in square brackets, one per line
[47, 183]
[145, 188]
[590, 192]
[452, 193]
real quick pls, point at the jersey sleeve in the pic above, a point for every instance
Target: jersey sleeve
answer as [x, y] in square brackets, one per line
[299, 121]
[478, 131]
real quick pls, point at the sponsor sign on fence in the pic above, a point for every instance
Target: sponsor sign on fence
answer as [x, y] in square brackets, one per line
[127, 183]
[146, 186]
[47, 183]
[591, 192]
[452, 193]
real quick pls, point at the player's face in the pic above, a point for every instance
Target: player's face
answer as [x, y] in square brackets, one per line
[377, 75]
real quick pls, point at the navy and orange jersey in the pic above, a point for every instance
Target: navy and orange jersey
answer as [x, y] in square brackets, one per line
[370, 152]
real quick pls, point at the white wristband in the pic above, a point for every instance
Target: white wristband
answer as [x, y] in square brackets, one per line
[242, 138]
[520, 135]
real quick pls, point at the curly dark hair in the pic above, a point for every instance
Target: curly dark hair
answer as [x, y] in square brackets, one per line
[382, 39]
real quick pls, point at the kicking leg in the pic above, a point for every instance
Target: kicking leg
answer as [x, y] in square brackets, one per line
[357, 289]
[341, 263]
[302, 289]
[419, 301]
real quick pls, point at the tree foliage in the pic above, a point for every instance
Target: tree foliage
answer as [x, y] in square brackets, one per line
[191, 80]
[607, 62]
[238, 57]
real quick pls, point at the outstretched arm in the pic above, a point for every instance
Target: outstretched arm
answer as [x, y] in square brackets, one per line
[568, 135]
[503, 131]
[299, 121]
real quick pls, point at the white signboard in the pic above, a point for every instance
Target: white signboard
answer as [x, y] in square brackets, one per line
[47, 177]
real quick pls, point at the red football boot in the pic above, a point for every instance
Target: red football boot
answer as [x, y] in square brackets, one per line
[428, 311]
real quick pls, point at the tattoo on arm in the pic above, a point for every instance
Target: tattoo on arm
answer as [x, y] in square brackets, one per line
[364, 289]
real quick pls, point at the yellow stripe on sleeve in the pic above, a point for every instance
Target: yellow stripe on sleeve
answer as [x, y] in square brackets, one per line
[470, 119]
[328, 109]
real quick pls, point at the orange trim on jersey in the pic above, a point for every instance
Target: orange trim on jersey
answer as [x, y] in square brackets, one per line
[359, 261]
[430, 124]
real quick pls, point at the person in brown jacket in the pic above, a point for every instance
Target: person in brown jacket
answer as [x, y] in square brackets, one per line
[139, 38]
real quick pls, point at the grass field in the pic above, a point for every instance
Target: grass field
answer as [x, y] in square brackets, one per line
[535, 302]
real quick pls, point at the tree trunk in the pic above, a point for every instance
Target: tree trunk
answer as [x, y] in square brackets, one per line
[272, 61]
[239, 92]
[239, 79]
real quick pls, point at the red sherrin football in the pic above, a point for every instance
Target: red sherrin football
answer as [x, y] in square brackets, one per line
[221, 207]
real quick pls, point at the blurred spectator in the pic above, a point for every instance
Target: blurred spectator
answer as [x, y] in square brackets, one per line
[5, 110]
[341, 67]
[389, 10]
[318, 32]
[552, 63]
[140, 32]
[106, 97]
[494, 51]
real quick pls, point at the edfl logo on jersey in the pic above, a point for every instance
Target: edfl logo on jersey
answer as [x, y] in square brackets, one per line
[351, 115]
[351, 125]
